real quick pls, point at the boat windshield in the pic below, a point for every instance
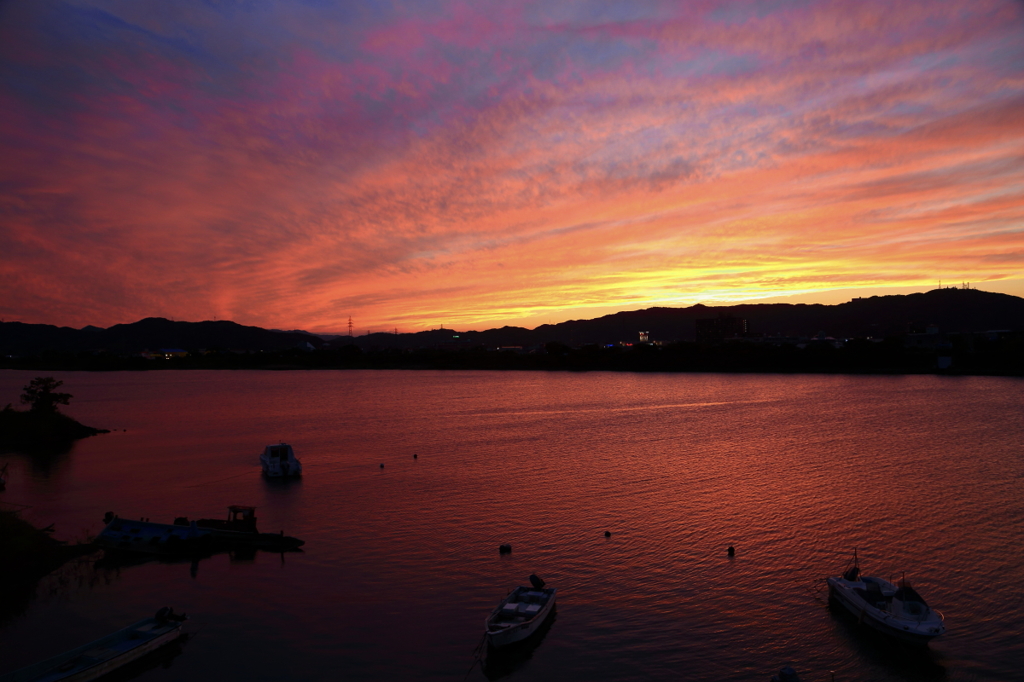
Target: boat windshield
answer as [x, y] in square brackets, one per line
[907, 594]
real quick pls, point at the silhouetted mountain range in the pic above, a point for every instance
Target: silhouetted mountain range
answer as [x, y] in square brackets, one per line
[152, 333]
[951, 310]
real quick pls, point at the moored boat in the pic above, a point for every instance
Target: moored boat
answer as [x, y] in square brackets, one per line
[184, 537]
[894, 610]
[154, 538]
[109, 653]
[520, 614]
[279, 461]
[240, 529]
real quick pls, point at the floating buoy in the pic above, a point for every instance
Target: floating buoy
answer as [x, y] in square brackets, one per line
[415, 456]
[607, 533]
[731, 551]
[504, 549]
[786, 674]
[382, 465]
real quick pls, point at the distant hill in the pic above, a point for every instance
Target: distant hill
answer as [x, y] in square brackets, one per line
[951, 310]
[152, 333]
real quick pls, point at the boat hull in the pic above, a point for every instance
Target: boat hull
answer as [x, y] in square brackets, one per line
[276, 470]
[909, 631]
[279, 461]
[519, 631]
[191, 540]
[124, 659]
[86, 663]
[156, 538]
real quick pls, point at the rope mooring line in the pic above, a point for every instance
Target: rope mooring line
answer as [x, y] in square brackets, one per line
[477, 658]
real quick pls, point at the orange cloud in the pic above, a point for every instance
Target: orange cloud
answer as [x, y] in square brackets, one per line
[488, 164]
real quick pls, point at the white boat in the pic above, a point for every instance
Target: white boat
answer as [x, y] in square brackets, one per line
[192, 538]
[154, 538]
[895, 610]
[520, 614]
[104, 655]
[279, 461]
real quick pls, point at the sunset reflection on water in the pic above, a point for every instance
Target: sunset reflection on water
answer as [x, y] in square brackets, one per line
[401, 564]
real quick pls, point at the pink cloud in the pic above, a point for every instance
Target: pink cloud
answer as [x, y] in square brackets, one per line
[490, 162]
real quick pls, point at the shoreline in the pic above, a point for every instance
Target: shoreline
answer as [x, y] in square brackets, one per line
[32, 553]
[35, 432]
[787, 371]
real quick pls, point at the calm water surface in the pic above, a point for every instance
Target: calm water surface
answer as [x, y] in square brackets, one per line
[401, 566]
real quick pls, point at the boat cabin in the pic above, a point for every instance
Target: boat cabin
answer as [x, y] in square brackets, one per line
[282, 451]
[240, 518]
[240, 515]
[279, 460]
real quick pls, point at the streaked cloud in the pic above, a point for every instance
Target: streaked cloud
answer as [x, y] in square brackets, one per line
[291, 164]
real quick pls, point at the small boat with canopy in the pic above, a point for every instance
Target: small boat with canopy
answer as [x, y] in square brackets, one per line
[896, 610]
[279, 461]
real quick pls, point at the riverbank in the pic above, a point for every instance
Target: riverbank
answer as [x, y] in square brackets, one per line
[31, 553]
[983, 357]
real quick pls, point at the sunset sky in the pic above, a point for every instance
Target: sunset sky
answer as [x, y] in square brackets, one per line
[473, 164]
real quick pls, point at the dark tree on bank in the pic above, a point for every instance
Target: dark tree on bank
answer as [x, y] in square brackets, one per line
[40, 395]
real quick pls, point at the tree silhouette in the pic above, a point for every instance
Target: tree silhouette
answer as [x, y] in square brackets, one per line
[40, 396]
